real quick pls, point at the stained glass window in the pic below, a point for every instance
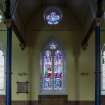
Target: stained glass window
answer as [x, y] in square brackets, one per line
[103, 71]
[1, 70]
[52, 16]
[52, 63]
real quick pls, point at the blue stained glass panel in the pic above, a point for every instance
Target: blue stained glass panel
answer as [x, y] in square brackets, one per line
[53, 16]
[52, 68]
[58, 70]
[47, 77]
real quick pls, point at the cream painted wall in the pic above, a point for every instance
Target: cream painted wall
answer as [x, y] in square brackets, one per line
[43, 36]
[82, 89]
[87, 65]
[20, 64]
[78, 87]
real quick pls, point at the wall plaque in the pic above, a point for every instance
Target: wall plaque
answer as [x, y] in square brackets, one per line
[22, 87]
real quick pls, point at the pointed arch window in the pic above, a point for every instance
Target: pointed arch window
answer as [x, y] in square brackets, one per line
[53, 69]
[1, 70]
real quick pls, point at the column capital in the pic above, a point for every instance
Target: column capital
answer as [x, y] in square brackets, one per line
[98, 21]
[8, 22]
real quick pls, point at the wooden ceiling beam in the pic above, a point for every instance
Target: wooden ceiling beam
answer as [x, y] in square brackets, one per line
[19, 36]
[99, 14]
[84, 43]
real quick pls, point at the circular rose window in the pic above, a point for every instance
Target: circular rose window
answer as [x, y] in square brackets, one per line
[53, 16]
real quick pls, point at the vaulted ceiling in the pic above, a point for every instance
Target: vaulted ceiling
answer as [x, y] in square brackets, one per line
[27, 15]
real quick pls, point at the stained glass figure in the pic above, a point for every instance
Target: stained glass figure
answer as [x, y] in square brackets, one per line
[52, 68]
[47, 72]
[53, 16]
[58, 70]
[1, 70]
